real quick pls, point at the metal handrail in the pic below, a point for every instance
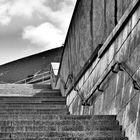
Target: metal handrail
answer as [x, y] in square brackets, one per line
[114, 69]
[41, 79]
[97, 86]
[24, 80]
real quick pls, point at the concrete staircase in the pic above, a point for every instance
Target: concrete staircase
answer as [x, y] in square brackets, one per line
[45, 116]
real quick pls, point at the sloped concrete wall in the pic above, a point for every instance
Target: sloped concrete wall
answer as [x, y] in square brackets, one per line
[119, 96]
[122, 5]
[92, 22]
[88, 28]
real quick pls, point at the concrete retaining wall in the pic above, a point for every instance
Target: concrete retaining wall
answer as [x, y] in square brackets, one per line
[91, 24]
[119, 96]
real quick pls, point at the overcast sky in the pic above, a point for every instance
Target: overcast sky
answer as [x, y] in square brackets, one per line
[32, 26]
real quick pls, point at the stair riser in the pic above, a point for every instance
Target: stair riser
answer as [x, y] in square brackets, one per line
[38, 102]
[33, 107]
[31, 110]
[42, 86]
[46, 123]
[80, 134]
[45, 99]
[46, 94]
[41, 117]
[101, 117]
[76, 138]
[27, 97]
[37, 95]
[57, 128]
[50, 117]
[49, 95]
[34, 112]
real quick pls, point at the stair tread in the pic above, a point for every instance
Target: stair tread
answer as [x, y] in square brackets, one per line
[52, 117]
[40, 123]
[28, 98]
[35, 107]
[81, 134]
[54, 127]
[42, 117]
[71, 138]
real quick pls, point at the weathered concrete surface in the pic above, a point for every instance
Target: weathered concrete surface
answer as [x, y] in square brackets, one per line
[122, 5]
[119, 96]
[91, 24]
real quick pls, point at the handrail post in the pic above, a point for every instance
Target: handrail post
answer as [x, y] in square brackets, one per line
[136, 86]
[82, 99]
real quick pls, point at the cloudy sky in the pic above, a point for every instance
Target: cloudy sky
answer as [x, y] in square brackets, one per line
[32, 26]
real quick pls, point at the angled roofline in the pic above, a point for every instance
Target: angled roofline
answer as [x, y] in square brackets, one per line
[30, 56]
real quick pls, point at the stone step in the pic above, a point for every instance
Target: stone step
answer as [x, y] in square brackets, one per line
[48, 93]
[54, 117]
[94, 117]
[36, 102]
[102, 117]
[39, 123]
[72, 138]
[50, 117]
[65, 134]
[42, 86]
[59, 100]
[20, 98]
[52, 122]
[31, 106]
[12, 129]
[103, 127]
[34, 111]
